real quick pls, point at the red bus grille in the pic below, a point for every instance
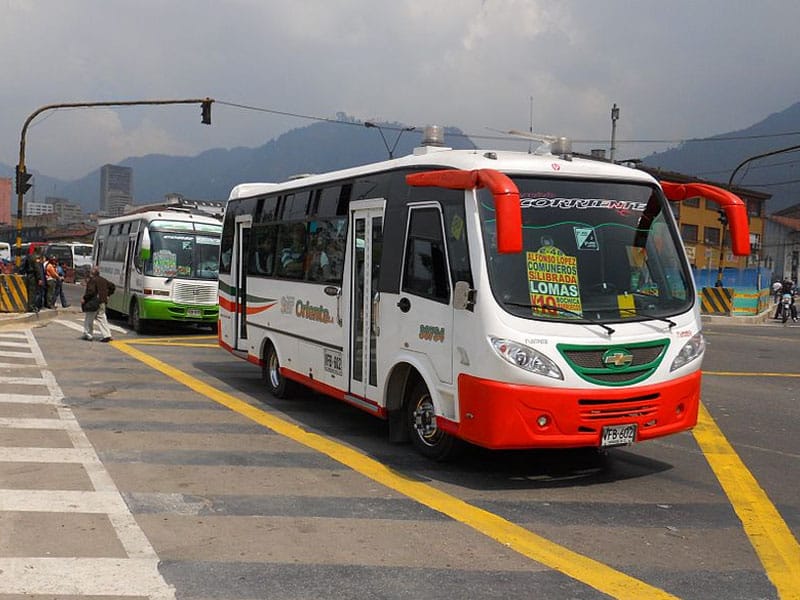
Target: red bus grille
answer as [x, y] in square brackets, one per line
[594, 410]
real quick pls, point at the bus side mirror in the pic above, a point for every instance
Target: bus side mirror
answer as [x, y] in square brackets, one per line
[463, 296]
[144, 249]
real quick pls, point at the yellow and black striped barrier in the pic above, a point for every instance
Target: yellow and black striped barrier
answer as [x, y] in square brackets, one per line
[13, 294]
[717, 301]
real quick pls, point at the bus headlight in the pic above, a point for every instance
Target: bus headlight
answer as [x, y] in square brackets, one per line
[525, 357]
[692, 349]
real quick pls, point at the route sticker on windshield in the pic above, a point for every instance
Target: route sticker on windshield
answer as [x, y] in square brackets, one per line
[553, 281]
[585, 239]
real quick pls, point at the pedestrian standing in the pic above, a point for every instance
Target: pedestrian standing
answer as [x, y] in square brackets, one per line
[93, 305]
[27, 269]
[41, 282]
[59, 292]
[53, 282]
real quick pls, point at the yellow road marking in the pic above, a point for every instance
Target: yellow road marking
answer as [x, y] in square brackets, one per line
[165, 343]
[771, 538]
[751, 374]
[581, 568]
[158, 340]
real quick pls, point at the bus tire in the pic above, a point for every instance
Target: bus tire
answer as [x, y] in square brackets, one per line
[137, 323]
[277, 385]
[428, 439]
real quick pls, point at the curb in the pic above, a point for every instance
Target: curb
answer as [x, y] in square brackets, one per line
[43, 316]
[759, 319]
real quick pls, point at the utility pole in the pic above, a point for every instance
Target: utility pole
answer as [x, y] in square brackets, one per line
[22, 175]
[530, 128]
[614, 117]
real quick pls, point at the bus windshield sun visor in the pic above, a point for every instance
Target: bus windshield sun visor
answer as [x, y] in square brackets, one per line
[734, 207]
[504, 191]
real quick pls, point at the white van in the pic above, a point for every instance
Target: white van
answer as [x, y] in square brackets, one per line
[5, 251]
[76, 255]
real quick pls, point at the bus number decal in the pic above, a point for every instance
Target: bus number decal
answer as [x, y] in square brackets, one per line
[431, 333]
[333, 362]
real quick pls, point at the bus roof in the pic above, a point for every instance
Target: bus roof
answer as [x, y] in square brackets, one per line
[509, 162]
[174, 215]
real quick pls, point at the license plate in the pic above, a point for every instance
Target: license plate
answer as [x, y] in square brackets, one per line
[194, 312]
[618, 435]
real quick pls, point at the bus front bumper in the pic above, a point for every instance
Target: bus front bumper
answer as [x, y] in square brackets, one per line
[500, 415]
[172, 311]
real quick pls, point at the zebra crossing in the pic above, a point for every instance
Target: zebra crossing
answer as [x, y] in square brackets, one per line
[65, 529]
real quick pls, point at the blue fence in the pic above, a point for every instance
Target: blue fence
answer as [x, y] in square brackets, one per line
[754, 278]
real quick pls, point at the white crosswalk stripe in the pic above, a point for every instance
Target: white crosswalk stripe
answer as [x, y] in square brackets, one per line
[135, 574]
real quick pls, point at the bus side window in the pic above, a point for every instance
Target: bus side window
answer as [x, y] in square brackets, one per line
[292, 254]
[335, 249]
[458, 249]
[262, 255]
[425, 272]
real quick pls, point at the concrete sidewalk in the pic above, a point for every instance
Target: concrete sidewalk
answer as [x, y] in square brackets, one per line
[72, 291]
[763, 317]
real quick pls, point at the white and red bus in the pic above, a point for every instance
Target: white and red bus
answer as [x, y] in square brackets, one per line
[508, 299]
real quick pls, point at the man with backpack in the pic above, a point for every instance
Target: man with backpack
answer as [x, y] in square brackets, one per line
[93, 305]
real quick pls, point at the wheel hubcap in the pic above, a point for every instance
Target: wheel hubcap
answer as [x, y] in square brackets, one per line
[425, 422]
[272, 368]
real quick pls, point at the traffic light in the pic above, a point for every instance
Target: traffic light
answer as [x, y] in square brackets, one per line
[722, 218]
[207, 111]
[22, 181]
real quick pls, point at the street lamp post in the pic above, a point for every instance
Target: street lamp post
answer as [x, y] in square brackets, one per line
[371, 125]
[22, 174]
[723, 221]
[730, 185]
[614, 117]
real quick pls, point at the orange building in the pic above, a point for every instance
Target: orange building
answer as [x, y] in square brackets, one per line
[5, 201]
[701, 227]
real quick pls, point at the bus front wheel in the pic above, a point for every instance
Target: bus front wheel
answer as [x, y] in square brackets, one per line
[136, 322]
[277, 385]
[428, 439]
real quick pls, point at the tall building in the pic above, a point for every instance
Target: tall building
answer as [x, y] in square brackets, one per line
[5, 201]
[116, 188]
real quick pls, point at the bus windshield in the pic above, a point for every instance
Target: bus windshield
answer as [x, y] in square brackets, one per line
[185, 254]
[592, 251]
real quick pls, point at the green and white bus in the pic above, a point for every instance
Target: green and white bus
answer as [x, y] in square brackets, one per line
[164, 264]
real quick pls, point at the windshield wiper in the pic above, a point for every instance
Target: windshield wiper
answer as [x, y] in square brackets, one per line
[565, 311]
[670, 322]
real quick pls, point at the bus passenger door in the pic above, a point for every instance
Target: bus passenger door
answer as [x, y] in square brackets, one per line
[129, 267]
[425, 304]
[241, 242]
[366, 219]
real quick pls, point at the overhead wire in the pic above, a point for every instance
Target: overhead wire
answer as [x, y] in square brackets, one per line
[509, 137]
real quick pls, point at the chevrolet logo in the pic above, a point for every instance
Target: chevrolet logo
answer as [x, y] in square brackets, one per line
[617, 358]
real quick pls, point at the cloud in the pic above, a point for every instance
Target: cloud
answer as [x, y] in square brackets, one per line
[676, 70]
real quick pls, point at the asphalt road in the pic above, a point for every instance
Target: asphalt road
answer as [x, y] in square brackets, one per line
[157, 466]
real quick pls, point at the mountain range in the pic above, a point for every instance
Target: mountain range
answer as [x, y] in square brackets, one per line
[716, 158]
[330, 145]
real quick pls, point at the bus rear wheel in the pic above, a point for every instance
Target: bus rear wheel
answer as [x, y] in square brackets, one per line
[428, 439]
[277, 384]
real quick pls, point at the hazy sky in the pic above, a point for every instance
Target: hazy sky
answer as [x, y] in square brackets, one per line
[677, 69]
